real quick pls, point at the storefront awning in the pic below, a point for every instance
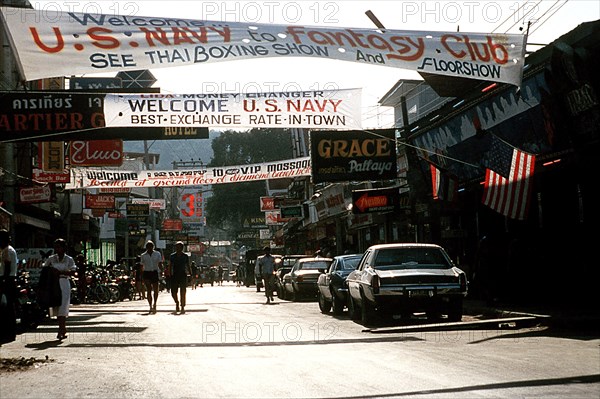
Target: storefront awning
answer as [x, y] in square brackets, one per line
[25, 219]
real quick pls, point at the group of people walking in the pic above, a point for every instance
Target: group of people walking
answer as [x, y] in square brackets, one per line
[179, 268]
[55, 284]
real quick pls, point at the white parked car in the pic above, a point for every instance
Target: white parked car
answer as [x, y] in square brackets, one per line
[403, 279]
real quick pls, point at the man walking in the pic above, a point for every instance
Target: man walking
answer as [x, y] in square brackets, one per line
[266, 266]
[151, 260]
[179, 265]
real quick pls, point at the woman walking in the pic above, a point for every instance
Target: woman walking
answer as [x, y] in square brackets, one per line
[65, 266]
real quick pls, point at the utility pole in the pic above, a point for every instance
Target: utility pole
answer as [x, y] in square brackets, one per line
[151, 192]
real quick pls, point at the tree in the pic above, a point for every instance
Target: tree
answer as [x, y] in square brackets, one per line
[232, 203]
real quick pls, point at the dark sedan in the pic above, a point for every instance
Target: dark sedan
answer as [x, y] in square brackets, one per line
[405, 278]
[301, 281]
[332, 283]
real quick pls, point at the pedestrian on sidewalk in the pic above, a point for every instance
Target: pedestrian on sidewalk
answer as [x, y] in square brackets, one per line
[151, 261]
[65, 265]
[8, 288]
[179, 265]
[266, 265]
[139, 285]
[194, 275]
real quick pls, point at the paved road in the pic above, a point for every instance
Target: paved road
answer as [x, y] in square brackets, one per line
[230, 344]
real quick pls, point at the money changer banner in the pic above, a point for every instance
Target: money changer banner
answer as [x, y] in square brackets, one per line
[99, 178]
[338, 109]
[58, 43]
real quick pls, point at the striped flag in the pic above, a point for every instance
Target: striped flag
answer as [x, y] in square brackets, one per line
[443, 186]
[508, 180]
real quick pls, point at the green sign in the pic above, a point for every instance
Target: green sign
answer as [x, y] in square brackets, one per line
[291, 212]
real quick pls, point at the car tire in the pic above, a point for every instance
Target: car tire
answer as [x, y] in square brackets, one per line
[336, 304]
[284, 294]
[324, 304]
[279, 292]
[352, 309]
[293, 295]
[367, 312]
[455, 310]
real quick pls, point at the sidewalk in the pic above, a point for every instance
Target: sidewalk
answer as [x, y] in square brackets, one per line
[581, 318]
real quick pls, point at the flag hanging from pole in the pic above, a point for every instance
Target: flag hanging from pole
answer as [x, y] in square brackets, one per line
[507, 186]
[443, 186]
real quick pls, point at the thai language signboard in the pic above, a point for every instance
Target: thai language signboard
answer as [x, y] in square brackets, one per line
[59, 43]
[85, 116]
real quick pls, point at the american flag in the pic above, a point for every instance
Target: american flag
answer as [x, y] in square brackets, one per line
[508, 180]
[444, 187]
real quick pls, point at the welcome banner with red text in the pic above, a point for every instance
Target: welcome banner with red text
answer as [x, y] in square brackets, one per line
[102, 177]
[338, 109]
[53, 43]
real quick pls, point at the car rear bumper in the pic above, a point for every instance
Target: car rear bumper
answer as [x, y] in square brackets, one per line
[306, 288]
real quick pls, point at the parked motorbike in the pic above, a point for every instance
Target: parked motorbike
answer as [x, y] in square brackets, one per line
[28, 311]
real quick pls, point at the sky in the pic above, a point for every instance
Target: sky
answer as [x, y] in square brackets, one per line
[549, 19]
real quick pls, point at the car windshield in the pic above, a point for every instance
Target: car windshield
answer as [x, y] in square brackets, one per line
[313, 265]
[350, 264]
[410, 258]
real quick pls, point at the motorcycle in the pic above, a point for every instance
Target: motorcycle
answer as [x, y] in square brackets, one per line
[29, 313]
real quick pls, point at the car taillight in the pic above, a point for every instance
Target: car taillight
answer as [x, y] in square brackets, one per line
[462, 279]
[299, 279]
[375, 284]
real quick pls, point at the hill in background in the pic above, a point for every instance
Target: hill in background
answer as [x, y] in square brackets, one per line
[176, 150]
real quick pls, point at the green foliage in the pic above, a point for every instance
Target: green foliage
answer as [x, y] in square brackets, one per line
[232, 203]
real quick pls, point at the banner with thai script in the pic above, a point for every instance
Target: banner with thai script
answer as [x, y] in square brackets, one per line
[67, 115]
[338, 109]
[99, 178]
[58, 43]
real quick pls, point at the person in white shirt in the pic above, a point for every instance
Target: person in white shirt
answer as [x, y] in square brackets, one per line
[65, 265]
[151, 261]
[266, 265]
[8, 288]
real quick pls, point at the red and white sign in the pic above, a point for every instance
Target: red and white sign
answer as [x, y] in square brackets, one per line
[157, 204]
[115, 215]
[172, 224]
[273, 218]
[98, 212]
[267, 204]
[114, 190]
[334, 109]
[49, 43]
[99, 201]
[191, 205]
[32, 195]
[50, 177]
[95, 178]
[96, 153]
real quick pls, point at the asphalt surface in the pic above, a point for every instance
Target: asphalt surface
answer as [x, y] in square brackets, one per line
[119, 350]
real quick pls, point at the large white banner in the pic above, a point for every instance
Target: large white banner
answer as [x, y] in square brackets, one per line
[103, 177]
[52, 44]
[337, 109]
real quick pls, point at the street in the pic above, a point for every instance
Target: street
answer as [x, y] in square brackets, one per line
[230, 344]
